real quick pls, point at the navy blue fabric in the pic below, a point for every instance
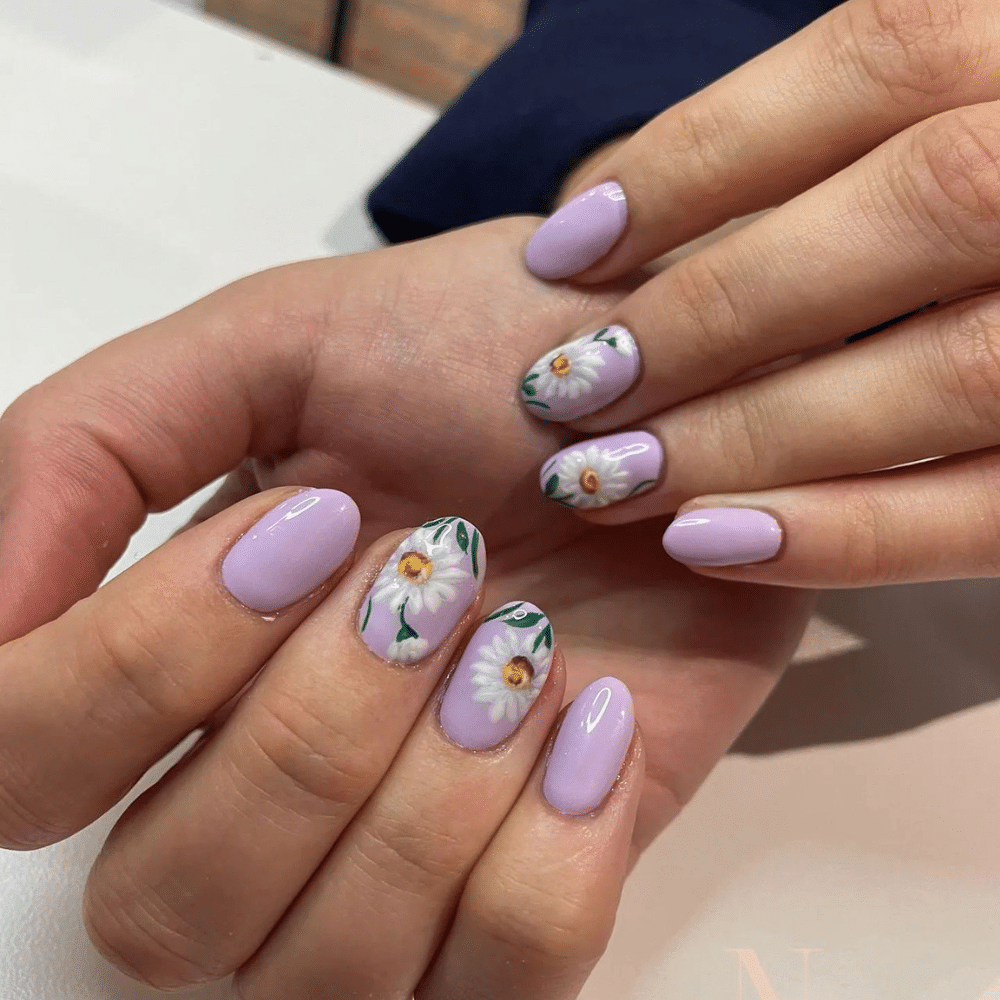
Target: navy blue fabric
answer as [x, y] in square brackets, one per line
[582, 73]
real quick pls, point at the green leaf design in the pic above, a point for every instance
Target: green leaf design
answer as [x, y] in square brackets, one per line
[368, 615]
[475, 554]
[544, 636]
[528, 390]
[639, 486]
[436, 521]
[530, 619]
[613, 342]
[537, 402]
[599, 336]
[500, 612]
[442, 530]
[462, 536]
[406, 631]
[551, 485]
[529, 378]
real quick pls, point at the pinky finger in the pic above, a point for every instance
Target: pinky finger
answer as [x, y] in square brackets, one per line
[539, 907]
[936, 520]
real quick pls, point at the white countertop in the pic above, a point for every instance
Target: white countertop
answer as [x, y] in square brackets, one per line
[147, 157]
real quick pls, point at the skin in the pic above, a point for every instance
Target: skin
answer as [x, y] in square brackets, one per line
[391, 376]
[870, 141]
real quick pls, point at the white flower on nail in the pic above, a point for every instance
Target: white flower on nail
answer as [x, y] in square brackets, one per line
[591, 478]
[421, 572]
[568, 371]
[509, 674]
[407, 651]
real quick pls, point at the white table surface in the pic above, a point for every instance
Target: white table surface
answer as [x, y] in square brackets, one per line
[147, 157]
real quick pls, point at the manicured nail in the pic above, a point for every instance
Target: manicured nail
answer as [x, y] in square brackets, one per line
[423, 590]
[289, 552]
[582, 376]
[723, 536]
[590, 747]
[603, 470]
[499, 676]
[579, 233]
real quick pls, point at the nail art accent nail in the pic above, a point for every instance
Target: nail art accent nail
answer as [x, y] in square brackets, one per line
[579, 233]
[500, 675]
[603, 470]
[290, 551]
[723, 536]
[590, 748]
[582, 376]
[423, 590]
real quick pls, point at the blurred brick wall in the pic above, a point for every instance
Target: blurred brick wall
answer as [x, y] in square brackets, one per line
[427, 48]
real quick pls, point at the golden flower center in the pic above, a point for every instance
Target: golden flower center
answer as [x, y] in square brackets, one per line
[518, 673]
[590, 481]
[415, 567]
[560, 366]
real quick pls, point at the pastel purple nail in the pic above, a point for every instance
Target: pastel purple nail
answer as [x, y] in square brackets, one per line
[723, 536]
[582, 376]
[500, 675]
[290, 551]
[603, 470]
[423, 590]
[579, 233]
[590, 747]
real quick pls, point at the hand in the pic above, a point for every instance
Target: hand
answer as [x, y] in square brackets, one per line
[386, 376]
[877, 131]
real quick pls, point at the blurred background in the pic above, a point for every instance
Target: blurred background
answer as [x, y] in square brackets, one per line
[429, 49]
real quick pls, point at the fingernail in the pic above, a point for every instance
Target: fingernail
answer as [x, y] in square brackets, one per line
[499, 676]
[582, 376]
[723, 536]
[290, 551]
[603, 470]
[423, 590]
[590, 747]
[579, 233]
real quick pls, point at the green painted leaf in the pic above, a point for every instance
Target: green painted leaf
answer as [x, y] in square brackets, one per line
[613, 342]
[600, 334]
[544, 636]
[406, 631]
[551, 485]
[537, 402]
[531, 618]
[528, 390]
[533, 375]
[368, 615]
[500, 612]
[462, 536]
[475, 553]
[441, 530]
[639, 486]
[435, 522]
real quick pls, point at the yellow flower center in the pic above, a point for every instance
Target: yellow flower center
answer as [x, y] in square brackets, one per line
[590, 481]
[415, 567]
[518, 673]
[560, 366]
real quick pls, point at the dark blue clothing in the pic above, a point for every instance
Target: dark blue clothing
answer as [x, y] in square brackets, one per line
[580, 75]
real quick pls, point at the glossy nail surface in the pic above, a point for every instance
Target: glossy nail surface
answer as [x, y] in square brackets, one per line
[582, 376]
[500, 675]
[723, 536]
[579, 233]
[590, 748]
[290, 551]
[603, 470]
[423, 590]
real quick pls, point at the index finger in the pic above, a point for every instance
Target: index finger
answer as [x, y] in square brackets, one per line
[770, 130]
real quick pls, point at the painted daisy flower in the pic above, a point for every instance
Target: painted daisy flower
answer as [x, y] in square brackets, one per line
[422, 572]
[569, 370]
[407, 651]
[591, 478]
[507, 675]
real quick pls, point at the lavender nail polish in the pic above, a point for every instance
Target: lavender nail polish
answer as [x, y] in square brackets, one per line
[423, 590]
[723, 536]
[603, 470]
[290, 551]
[582, 376]
[579, 233]
[590, 747]
[500, 675]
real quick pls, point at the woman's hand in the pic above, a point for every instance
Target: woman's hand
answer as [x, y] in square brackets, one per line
[877, 131]
[388, 376]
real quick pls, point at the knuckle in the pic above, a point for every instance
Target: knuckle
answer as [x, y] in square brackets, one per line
[711, 307]
[912, 49]
[952, 166]
[702, 147]
[22, 826]
[971, 345]
[869, 555]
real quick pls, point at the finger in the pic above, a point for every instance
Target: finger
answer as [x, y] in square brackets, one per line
[538, 909]
[94, 698]
[771, 129]
[398, 871]
[201, 868]
[917, 220]
[933, 521]
[924, 389]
